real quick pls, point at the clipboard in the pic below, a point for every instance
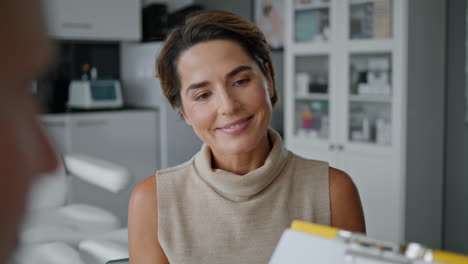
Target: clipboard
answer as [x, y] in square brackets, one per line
[312, 243]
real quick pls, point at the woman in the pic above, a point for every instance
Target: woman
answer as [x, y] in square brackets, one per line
[232, 200]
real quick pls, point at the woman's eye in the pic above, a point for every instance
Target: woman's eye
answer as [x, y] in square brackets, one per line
[202, 96]
[241, 82]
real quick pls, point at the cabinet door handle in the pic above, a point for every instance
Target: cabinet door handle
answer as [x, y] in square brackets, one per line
[331, 147]
[54, 124]
[87, 123]
[340, 147]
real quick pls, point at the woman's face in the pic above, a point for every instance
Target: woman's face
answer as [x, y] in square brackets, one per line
[225, 96]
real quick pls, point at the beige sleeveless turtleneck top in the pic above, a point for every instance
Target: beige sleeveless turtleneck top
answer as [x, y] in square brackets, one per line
[210, 216]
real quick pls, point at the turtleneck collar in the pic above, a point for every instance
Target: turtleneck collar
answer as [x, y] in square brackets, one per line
[240, 188]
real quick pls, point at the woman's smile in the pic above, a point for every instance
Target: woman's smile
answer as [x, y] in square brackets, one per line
[236, 127]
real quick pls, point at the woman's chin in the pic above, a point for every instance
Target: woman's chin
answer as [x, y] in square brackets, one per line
[236, 147]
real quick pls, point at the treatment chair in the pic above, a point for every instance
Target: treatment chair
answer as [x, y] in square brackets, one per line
[54, 229]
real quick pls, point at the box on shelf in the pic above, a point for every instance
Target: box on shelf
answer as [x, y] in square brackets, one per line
[371, 20]
[312, 25]
[375, 78]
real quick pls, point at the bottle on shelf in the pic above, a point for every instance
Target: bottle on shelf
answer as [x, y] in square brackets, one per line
[317, 116]
[302, 82]
[307, 117]
[85, 72]
[325, 127]
[94, 73]
[383, 131]
[319, 83]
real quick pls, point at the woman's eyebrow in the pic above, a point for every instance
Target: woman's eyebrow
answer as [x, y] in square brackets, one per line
[196, 86]
[230, 74]
[237, 70]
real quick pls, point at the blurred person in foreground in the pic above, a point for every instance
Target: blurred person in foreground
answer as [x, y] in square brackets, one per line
[25, 152]
[233, 199]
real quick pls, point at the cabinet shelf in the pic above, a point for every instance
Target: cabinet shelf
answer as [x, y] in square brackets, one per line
[311, 6]
[311, 139]
[313, 96]
[371, 98]
[358, 2]
[311, 48]
[371, 45]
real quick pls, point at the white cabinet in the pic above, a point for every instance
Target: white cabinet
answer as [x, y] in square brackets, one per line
[344, 95]
[129, 138]
[348, 99]
[94, 19]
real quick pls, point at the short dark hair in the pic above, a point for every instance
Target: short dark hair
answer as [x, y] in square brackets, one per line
[205, 26]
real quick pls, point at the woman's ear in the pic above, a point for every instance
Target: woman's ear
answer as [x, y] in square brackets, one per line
[271, 88]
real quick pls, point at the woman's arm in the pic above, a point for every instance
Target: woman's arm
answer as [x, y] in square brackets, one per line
[143, 243]
[346, 208]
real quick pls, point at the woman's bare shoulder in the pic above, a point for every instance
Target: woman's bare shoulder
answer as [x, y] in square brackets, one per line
[143, 202]
[143, 240]
[345, 203]
[146, 188]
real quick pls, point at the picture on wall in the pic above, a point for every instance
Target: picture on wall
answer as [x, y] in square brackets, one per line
[269, 17]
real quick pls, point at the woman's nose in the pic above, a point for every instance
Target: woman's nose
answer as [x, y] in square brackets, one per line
[228, 103]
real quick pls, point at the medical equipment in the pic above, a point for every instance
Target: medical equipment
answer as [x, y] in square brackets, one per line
[95, 94]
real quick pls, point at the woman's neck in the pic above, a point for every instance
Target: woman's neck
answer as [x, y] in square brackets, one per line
[243, 163]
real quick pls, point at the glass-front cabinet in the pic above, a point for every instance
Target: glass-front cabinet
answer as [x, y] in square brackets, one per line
[365, 92]
[311, 97]
[343, 95]
[370, 19]
[311, 21]
[370, 99]
[339, 61]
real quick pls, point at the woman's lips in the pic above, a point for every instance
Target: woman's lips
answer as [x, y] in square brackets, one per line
[236, 127]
